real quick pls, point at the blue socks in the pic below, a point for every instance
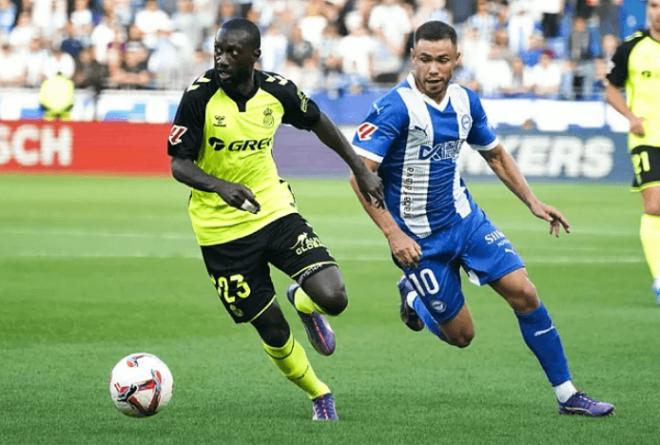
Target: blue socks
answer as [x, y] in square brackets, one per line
[427, 318]
[542, 338]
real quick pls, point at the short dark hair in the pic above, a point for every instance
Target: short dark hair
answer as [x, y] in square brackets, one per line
[435, 30]
[252, 31]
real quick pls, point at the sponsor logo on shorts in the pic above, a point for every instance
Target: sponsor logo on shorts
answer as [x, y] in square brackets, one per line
[236, 310]
[494, 236]
[306, 242]
[438, 306]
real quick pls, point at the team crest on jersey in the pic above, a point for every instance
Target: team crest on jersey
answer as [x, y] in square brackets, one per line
[366, 130]
[176, 133]
[269, 120]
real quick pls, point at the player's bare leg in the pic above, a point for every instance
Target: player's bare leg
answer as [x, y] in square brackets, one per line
[543, 340]
[649, 233]
[459, 331]
[290, 358]
[321, 293]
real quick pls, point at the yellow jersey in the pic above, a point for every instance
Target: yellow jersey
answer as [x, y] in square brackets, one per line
[636, 65]
[231, 137]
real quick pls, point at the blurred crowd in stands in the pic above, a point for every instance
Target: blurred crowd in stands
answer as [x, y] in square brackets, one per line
[515, 48]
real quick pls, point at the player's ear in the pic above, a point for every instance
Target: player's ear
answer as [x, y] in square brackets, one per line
[257, 53]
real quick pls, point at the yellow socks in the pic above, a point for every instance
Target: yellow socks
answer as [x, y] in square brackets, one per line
[304, 304]
[649, 232]
[292, 361]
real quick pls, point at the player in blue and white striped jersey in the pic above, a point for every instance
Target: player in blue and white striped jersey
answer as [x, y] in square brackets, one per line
[412, 137]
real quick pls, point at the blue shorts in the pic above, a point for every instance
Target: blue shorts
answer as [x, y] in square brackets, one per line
[474, 244]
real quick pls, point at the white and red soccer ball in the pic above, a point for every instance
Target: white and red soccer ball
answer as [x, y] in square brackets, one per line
[140, 385]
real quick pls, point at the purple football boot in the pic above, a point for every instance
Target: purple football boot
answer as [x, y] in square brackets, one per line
[583, 405]
[323, 408]
[319, 332]
[408, 314]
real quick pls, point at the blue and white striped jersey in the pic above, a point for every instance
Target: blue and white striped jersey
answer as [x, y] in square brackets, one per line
[417, 142]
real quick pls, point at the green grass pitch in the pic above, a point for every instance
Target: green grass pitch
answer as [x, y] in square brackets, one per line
[92, 269]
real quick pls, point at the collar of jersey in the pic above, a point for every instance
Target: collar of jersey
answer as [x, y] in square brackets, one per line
[438, 106]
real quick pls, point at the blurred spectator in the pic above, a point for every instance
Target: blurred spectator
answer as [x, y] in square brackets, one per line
[298, 49]
[185, 20]
[226, 11]
[483, 20]
[535, 48]
[70, 43]
[49, 16]
[608, 12]
[312, 23]
[12, 67]
[89, 73]
[473, 49]
[551, 13]
[273, 49]
[36, 60]
[609, 45]
[545, 77]
[519, 82]
[81, 19]
[582, 53]
[133, 72]
[357, 50]
[431, 10]
[492, 73]
[22, 34]
[168, 62]
[460, 10]
[520, 27]
[390, 25]
[59, 62]
[7, 17]
[329, 52]
[150, 20]
[103, 34]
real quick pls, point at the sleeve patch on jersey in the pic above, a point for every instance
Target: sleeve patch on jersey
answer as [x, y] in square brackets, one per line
[176, 133]
[365, 131]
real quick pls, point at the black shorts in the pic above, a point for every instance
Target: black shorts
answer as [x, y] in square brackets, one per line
[646, 165]
[239, 269]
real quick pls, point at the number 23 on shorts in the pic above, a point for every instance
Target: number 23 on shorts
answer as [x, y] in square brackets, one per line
[232, 287]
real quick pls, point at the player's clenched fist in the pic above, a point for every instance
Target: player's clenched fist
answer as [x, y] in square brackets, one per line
[237, 195]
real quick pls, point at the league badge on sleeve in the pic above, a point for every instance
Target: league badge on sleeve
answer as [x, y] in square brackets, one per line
[366, 130]
[176, 133]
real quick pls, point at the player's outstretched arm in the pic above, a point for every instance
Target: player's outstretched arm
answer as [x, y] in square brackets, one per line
[406, 251]
[505, 167]
[236, 195]
[369, 184]
[618, 102]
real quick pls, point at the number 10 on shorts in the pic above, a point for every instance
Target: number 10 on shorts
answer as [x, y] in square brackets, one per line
[425, 282]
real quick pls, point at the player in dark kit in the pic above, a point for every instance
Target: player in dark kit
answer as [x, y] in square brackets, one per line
[245, 217]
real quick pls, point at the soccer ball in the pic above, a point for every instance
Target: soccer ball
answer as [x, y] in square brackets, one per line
[140, 385]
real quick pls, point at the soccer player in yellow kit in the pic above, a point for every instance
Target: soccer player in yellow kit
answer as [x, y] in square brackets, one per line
[636, 66]
[245, 217]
